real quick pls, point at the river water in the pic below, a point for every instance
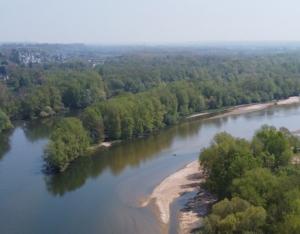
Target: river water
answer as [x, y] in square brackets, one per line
[101, 194]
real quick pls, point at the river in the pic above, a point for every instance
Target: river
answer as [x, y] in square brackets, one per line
[101, 194]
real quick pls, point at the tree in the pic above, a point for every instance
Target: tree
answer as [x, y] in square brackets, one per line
[272, 146]
[226, 159]
[112, 121]
[257, 186]
[92, 121]
[68, 141]
[4, 121]
[235, 216]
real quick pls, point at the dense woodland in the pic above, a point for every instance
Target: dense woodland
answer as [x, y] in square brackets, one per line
[132, 95]
[256, 182]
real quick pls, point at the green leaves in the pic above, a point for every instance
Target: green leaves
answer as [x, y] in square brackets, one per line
[68, 142]
[227, 158]
[234, 216]
[258, 172]
[92, 121]
[257, 186]
[275, 147]
[4, 121]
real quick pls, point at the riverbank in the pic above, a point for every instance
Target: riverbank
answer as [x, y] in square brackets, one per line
[172, 187]
[243, 109]
[186, 180]
[103, 145]
[189, 178]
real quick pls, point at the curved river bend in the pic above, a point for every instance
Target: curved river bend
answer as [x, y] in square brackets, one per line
[101, 194]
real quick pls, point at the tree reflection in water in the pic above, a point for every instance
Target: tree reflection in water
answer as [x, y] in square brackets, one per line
[117, 158]
[4, 143]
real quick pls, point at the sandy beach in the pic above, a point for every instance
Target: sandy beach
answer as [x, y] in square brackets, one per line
[257, 107]
[198, 115]
[187, 179]
[171, 188]
[290, 100]
[105, 144]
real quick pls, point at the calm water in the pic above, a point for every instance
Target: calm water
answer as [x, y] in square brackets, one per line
[100, 194]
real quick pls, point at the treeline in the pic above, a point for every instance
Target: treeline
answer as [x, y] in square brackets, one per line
[133, 115]
[256, 182]
[139, 72]
[41, 90]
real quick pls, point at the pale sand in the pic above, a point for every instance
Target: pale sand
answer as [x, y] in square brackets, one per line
[295, 160]
[197, 115]
[106, 144]
[189, 221]
[245, 109]
[290, 100]
[257, 107]
[171, 188]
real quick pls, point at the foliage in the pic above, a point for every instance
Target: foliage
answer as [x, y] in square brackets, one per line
[4, 121]
[271, 183]
[272, 146]
[92, 121]
[227, 158]
[235, 216]
[67, 142]
[256, 186]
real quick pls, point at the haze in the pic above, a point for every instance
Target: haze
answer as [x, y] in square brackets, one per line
[155, 21]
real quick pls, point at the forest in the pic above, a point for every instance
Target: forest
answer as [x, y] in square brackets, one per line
[256, 182]
[135, 94]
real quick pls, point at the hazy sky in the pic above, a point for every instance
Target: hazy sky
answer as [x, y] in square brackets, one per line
[149, 21]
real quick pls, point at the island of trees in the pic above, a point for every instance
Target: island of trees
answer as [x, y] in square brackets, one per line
[256, 182]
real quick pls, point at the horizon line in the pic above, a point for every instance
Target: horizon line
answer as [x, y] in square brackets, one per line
[187, 43]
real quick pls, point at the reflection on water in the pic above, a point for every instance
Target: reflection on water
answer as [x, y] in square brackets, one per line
[39, 129]
[117, 158]
[4, 143]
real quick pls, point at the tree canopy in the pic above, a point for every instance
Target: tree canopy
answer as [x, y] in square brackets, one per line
[68, 141]
[258, 173]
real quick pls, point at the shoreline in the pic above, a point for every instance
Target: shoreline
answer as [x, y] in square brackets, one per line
[189, 178]
[186, 180]
[247, 108]
[173, 187]
[103, 145]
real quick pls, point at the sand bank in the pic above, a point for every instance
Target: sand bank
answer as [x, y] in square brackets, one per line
[290, 100]
[187, 179]
[198, 115]
[257, 107]
[105, 144]
[171, 188]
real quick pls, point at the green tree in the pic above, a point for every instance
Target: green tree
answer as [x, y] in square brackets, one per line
[226, 159]
[257, 186]
[68, 141]
[235, 216]
[4, 121]
[272, 146]
[92, 121]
